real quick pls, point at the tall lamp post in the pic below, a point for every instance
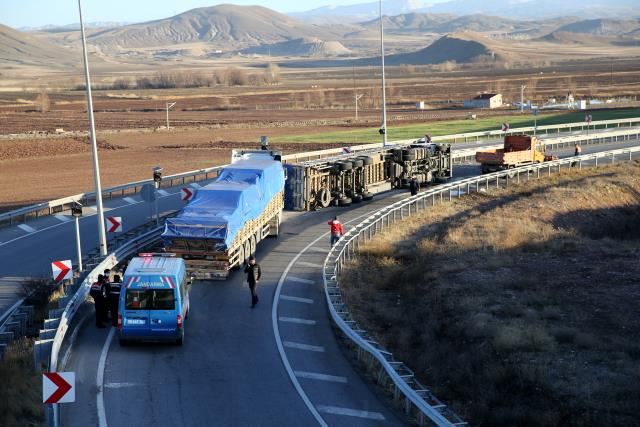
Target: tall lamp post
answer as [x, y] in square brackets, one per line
[169, 106]
[383, 128]
[76, 211]
[94, 146]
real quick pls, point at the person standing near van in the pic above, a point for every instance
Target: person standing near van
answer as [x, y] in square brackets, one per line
[114, 298]
[97, 292]
[253, 278]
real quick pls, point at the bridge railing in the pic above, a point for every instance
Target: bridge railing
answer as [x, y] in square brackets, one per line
[408, 392]
[21, 215]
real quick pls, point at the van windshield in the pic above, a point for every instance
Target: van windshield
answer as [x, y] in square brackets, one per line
[150, 299]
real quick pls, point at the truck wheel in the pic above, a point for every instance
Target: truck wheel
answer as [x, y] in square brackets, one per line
[367, 196]
[345, 166]
[357, 198]
[324, 197]
[345, 201]
[367, 161]
[409, 154]
[357, 163]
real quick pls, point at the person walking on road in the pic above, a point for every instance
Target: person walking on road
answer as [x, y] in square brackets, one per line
[98, 293]
[577, 152]
[414, 185]
[253, 278]
[114, 298]
[337, 230]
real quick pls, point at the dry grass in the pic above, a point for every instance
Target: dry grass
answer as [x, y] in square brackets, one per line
[517, 307]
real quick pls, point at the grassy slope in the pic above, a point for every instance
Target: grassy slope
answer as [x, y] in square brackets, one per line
[362, 136]
[518, 308]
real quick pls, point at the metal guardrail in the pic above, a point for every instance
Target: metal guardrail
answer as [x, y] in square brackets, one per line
[418, 402]
[60, 205]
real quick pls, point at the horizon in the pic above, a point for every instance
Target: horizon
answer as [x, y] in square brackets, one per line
[21, 15]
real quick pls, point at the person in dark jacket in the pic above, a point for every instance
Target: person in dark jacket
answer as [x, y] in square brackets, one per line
[98, 293]
[114, 298]
[414, 185]
[253, 278]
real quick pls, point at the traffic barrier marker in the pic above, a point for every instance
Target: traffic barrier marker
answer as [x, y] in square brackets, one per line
[58, 387]
[61, 270]
[114, 224]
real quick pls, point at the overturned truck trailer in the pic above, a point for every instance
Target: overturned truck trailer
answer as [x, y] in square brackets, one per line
[353, 178]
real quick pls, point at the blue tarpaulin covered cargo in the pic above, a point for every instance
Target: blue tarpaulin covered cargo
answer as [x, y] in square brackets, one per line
[219, 210]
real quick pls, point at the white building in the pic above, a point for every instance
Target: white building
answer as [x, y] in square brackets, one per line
[485, 100]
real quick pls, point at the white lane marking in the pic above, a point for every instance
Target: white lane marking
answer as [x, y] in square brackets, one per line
[319, 249]
[102, 415]
[299, 280]
[163, 192]
[72, 340]
[25, 227]
[195, 185]
[296, 299]
[276, 326]
[121, 385]
[62, 218]
[130, 200]
[321, 377]
[309, 264]
[305, 347]
[92, 208]
[336, 410]
[297, 320]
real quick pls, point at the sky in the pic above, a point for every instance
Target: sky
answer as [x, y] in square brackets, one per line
[36, 13]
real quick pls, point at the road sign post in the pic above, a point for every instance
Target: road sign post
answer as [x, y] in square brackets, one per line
[58, 387]
[588, 118]
[62, 270]
[76, 211]
[157, 179]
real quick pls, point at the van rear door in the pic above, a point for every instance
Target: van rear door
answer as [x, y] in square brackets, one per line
[163, 315]
[135, 318]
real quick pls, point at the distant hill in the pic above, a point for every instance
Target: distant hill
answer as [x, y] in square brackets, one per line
[223, 26]
[446, 23]
[602, 27]
[21, 49]
[361, 12]
[309, 47]
[456, 47]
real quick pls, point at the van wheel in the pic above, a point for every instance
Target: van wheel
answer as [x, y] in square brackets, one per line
[180, 340]
[123, 342]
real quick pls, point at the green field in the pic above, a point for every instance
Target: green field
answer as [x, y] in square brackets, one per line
[436, 128]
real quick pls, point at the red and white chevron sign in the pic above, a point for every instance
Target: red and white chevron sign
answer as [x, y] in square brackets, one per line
[58, 387]
[505, 127]
[187, 194]
[114, 224]
[62, 270]
[346, 150]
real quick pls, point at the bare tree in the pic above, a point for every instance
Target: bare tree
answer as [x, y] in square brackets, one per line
[272, 74]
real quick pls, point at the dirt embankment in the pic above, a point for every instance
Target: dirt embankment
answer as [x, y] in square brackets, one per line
[518, 307]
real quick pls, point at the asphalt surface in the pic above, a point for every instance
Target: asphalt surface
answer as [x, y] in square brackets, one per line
[278, 364]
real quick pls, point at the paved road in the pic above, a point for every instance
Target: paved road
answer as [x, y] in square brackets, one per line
[278, 364]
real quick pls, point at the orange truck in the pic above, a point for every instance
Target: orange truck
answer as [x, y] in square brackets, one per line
[518, 150]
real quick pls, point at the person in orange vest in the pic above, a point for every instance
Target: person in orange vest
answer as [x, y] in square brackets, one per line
[337, 230]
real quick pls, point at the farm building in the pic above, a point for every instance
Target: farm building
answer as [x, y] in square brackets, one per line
[485, 100]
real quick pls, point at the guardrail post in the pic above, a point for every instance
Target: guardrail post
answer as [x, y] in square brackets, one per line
[596, 161]
[449, 194]
[613, 158]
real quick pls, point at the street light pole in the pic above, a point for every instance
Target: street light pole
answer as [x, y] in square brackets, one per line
[94, 146]
[76, 211]
[383, 129]
[169, 106]
[522, 88]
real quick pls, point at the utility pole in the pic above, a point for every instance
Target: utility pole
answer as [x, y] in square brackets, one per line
[169, 106]
[383, 128]
[355, 91]
[522, 88]
[102, 239]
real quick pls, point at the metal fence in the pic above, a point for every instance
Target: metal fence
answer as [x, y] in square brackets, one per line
[64, 204]
[416, 399]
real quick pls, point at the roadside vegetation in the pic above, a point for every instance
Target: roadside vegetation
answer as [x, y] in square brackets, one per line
[448, 127]
[21, 393]
[517, 307]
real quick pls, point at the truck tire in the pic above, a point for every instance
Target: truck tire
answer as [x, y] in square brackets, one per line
[367, 196]
[409, 154]
[345, 165]
[357, 163]
[345, 201]
[357, 198]
[367, 161]
[324, 197]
